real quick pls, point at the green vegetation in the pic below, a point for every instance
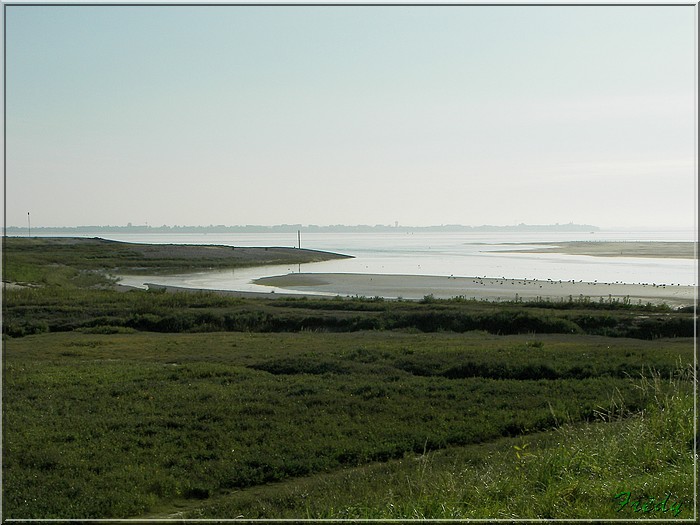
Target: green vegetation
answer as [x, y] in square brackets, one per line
[572, 472]
[61, 261]
[138, 404]
[116, 425]
[60, 308]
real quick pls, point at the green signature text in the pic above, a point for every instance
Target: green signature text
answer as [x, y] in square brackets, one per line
[647, 504]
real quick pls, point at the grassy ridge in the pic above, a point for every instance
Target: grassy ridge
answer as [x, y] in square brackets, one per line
[135, 420]
[35, 260]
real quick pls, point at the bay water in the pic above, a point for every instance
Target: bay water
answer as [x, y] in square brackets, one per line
[459, 254]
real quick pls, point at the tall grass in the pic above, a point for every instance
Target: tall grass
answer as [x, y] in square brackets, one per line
[136, 421]
[644, 458]
[65, 306]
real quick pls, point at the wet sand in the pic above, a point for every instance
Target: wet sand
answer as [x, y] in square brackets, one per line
[231, 293]
[418, 286]
[676, 250]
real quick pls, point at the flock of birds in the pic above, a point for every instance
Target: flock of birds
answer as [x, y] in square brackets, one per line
[540, 283]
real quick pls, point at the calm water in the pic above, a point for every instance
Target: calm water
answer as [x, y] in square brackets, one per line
[459, 254]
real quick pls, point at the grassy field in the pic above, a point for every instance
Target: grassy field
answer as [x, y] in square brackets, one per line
[621, 468]
[145, 404]
[115, 425]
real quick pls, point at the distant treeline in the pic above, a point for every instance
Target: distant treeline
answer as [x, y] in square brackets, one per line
[289, 228]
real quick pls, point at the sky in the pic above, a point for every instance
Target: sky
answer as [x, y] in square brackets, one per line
[351, 115]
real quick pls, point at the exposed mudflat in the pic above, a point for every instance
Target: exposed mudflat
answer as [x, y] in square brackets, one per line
[418, 286]
[676, 250]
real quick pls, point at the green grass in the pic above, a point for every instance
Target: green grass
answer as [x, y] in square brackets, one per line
[573, 472]
[58, 260]
[119, 425]
[145, 404]
[64, 308]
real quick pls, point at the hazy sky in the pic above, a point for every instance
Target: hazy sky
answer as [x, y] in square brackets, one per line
[353, 115]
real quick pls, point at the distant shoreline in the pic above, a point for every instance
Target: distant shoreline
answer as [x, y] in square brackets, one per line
[309, 228]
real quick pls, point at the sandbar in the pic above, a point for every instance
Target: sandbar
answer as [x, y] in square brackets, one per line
[675, 250]
[480, 288]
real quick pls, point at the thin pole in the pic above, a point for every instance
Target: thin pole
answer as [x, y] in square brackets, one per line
[29, 224]
[299, 238]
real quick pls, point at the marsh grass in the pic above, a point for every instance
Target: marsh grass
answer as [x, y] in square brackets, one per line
[70, 307]
[117, 425]
[53, 260]
[572, 472]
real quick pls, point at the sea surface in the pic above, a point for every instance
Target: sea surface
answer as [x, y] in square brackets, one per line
[470, 254]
